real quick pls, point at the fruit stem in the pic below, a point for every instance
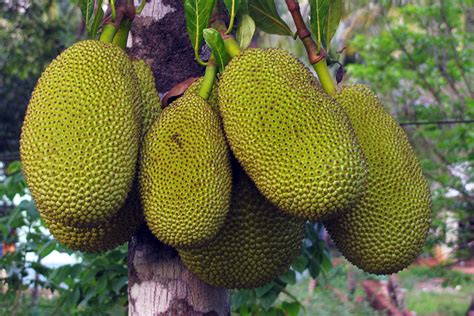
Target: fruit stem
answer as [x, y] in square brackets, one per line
[209, 76]
[324, 76]
[232, 17]
[108, 33]
[231, 46]
[316, 57]
[121, 36]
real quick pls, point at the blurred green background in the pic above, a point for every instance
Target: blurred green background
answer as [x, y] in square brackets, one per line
[416, 55]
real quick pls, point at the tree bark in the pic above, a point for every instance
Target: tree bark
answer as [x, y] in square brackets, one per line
[158, 283]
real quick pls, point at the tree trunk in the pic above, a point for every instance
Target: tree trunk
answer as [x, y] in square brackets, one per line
[158, 282]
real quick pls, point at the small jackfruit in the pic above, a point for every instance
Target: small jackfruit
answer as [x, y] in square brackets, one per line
[105, 236]
[294, 141]
[81, 132]
[185, 176]
[151, 105]
[256, 244]
[387, 228]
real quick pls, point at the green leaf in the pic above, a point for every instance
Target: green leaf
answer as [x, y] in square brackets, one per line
[119, 283]
[269, 298]
[260, 291]
[216, 43]
[97, 19]
[13, 167]
[233, 6]
[197, 14]
[289, 277]
[266, 17]
[244, 311]
[301, 263]
[334, 14]
[245, 31]
[87, 10]
[318, 18]
[101, 284]
[291, 309]
[47, 249]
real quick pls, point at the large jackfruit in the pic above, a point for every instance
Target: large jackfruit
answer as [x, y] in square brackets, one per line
[81, 132]
[151, 105]
[387, 228]
[185, 179]
[120, 228]
[105, 236]
[294, 141]
[256, 244]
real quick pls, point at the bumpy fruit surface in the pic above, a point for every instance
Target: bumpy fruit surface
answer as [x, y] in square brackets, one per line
[256, 244]
[387, 228]
[107, 235]
[150, 99]
[185, 179]
[81, 132]
[293, 140]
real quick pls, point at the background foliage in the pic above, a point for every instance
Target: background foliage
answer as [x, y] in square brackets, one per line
[417, 56]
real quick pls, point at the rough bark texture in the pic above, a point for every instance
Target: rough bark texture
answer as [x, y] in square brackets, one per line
[158, 282]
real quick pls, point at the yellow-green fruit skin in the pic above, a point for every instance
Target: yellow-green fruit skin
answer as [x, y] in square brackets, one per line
[81, 132]
[105, 236]
[294, 141]
[256, 244]
[185, 176]
[387, 228]
[151, 105]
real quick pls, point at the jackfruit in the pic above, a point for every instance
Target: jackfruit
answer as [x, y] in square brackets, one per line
[196, 85]
[81, 132]
[185, 176]
[256, 244]
[295, 142]
[105, 236]
[387, 228]
[151, 105]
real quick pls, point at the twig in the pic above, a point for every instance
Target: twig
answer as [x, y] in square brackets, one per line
[317, 57]
[437, 122]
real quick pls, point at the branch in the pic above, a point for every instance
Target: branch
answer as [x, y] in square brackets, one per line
[317, 59]
[453, 48]
[436, 122]
[412, 62]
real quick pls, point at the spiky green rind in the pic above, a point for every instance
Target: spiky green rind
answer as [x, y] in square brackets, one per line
[150, 99]
[107, 235]
[256, 244]
[185, 179]
[81, 132]
[294, 141]
[387, 228]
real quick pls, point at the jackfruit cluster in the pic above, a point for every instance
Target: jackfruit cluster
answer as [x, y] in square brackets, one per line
[101, 157]
[385, 231]
[185, 180]
[256, 244]
[294, 141]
